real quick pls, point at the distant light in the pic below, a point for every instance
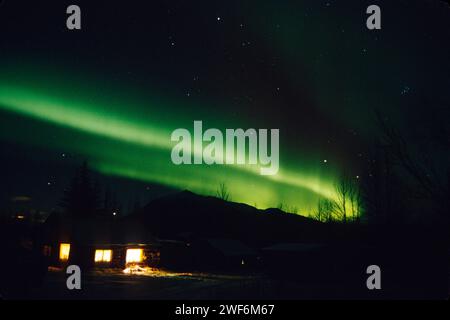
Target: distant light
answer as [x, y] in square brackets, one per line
[114, 213]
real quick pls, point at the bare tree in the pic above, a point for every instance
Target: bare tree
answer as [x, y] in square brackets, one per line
[355, 199]
[325, 210]
[287, 208]
[293, 209]
[421, 152]
[380, 187]
[344, 189]
[319, 213]
[348, 202]
[222, 192]
[328, 209]
[356, 202]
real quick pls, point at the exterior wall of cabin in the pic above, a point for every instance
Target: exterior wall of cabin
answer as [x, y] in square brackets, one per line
[84, 255]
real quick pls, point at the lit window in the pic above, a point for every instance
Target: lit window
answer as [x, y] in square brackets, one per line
[134, 255]
[103, 255]
[64, 250]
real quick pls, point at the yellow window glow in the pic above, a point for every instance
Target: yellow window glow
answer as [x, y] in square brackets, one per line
[103, 255]
[107, 254]
[134, 255]
[64, 251]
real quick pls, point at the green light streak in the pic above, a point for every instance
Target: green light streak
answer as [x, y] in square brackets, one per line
[80, 117]
[139, 148]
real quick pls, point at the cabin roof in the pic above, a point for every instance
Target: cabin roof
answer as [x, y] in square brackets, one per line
[96, 231]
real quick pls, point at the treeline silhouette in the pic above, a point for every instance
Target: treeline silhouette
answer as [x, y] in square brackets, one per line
[406, 178]
[84, 197]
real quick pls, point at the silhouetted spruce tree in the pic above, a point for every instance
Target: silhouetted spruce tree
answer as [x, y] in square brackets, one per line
[81, 199]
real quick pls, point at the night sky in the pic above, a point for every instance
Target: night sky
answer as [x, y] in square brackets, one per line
[113, 92]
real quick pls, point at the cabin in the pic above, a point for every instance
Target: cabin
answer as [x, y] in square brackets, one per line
[107, 255]
[97, 243]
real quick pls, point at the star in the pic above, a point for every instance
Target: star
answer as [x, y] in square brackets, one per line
[405, 90]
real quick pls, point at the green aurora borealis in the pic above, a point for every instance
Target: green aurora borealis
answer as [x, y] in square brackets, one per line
[132, 142]
[113, 92]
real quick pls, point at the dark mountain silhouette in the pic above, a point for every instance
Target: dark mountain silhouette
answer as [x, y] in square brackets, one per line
[186, 213]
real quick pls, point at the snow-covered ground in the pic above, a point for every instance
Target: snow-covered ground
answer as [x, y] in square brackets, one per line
[146, 284]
